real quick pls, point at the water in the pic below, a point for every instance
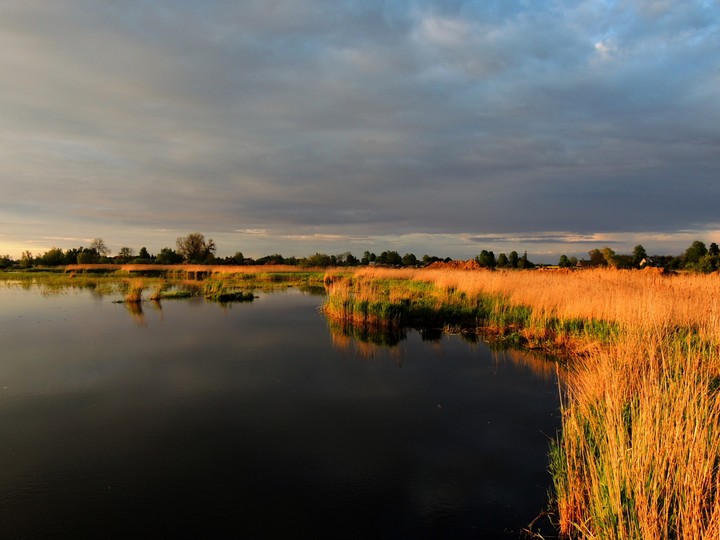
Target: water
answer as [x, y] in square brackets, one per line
[256, 421]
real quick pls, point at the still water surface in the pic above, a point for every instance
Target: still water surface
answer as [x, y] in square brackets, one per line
[256, 421]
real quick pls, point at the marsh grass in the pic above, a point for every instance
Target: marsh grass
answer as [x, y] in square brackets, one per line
[134, 291]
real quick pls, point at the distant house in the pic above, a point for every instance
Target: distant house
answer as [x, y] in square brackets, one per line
[647, 261]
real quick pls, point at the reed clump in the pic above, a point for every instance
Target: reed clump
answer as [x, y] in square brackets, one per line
[640, 446]
[134, 291]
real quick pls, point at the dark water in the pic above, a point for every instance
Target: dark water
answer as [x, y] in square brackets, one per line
[255, 421]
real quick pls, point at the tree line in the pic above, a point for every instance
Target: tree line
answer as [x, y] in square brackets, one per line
[195, 249]
[697, 258]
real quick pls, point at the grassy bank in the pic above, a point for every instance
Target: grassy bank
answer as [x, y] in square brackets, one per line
[137, 282]
[639, 452]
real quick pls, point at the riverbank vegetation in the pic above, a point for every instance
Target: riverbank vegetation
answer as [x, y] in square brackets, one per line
[137, 283]
[639, 453]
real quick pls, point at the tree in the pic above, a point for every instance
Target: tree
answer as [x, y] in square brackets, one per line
[524, 262]
[126, 253]
[503, 261]
[275, 258]
[53, 257]
[486, 259]
[708, 263]
[409, 259]
[319, 259]
[696, 250]
[609, 256]
[87, 256]
[144, 253]
[714, 250]
[564, 262]
[168, 256]
[596, 258]
[238, 258]
[98, 244]
[26, 259]
[514, 259]
[638, 255]
[194, 249]
[5, 261]
[391, 258]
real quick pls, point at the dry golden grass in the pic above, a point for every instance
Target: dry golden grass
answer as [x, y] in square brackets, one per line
[641, 442]
[644, 299]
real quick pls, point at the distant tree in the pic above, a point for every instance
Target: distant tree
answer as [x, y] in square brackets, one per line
[144, 253]
[524, 262]
[514, 259]
[486, 259]
[624, 262]
[609, 256]
[6, 261]
[238, 258]
[195, 249]
[275, 258]
[696, 250]
[409, 259]
[168, 256]
[319, 259]
[708, 263]
[714, 250]
[53, 257]
[126, 254]
[98, 244]
[597, 258]
[573, 262]
[564, 262]
[503, 261]
[391, 258]
[26, 259]
[638, 255]
[346, 259]
[87, 256]
[71, 254]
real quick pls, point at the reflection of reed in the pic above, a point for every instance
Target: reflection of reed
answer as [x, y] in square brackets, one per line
[365, 340]
[136, 312]
[543, 368]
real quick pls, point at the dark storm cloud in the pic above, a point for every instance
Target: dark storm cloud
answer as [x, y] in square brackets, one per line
[361, 119]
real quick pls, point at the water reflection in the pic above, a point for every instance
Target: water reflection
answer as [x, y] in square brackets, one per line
[369, 341]
[251, 422]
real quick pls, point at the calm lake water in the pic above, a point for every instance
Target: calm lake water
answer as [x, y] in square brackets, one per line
[257, 421]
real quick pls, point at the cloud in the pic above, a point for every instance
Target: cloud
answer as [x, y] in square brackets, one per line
[357, 119]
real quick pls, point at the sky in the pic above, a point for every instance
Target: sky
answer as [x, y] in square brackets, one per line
[303, 126]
